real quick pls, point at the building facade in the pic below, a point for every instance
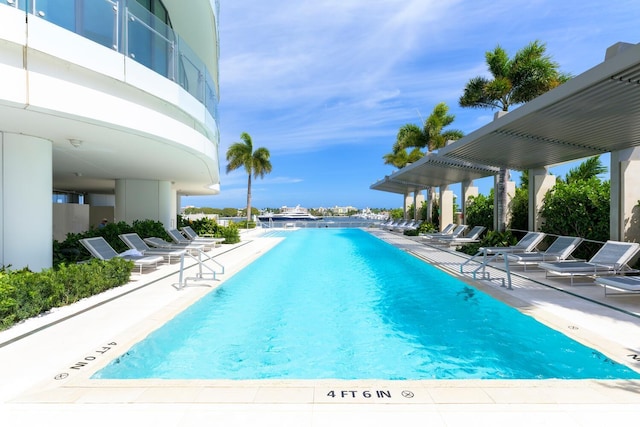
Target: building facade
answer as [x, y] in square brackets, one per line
[108, 108]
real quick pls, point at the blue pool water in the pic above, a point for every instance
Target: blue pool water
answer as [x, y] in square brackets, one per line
[340, 303]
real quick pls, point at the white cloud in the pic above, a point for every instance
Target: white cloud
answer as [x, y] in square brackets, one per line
[302, 76]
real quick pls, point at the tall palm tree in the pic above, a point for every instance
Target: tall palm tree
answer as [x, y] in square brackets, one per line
[256, 163]
[529, 74]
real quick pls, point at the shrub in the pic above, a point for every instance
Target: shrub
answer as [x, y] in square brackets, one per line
[25, 294]
[580, 208]
[210, 226]
[479, 211]
[230, 233]
[520, 210]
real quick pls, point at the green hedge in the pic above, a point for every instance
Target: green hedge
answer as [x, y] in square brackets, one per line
[25, 294]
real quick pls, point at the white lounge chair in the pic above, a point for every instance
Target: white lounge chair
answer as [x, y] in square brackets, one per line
[453, 233]
[181, 239]
[472, 237]
[195, 238]
[396, 224]
[447, 230]
[99, 248]
[134, 241]
[527, 244]
[157, 242]
[611, 259]
[622, 285]
[405, 226]
[559, 250]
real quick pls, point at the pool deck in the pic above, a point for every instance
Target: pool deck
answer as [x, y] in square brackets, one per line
[46, 363]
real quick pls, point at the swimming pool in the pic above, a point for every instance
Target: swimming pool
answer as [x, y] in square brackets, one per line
[340, 303]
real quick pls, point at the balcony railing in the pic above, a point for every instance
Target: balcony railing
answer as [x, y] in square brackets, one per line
[127, 27]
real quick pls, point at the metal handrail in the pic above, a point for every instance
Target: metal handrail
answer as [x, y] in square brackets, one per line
[183, 281]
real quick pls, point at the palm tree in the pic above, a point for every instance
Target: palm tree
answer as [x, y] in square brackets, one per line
[399, 157]
[529, 74]
[434, 126]
[431, 136]
[589, 169]
[256, 163]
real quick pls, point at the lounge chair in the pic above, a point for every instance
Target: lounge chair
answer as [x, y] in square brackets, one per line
[181, 239]
[611, 259]
[527, 244]
[195, 238]
[622, 285]
[133, 241]
[99, 248]
[472, 237]
[396, 224]
[157, 242]
[405, 226]
[453, 233]
[447, 230]
[559, 250]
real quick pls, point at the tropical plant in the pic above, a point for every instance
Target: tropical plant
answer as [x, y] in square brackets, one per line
[590, 168]
[399, 156]
[579, 208]
[479, 210]
[256, 163]
[431, 136]
[529, 74]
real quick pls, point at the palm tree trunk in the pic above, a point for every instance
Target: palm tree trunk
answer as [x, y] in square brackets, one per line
[501, 200]
[249, 200]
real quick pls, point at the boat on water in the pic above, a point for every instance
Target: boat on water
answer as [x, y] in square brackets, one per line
[289, 214]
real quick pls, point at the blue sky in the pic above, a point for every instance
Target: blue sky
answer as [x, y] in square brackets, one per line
[326, 84]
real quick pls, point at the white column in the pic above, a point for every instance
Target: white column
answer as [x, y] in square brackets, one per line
[446, 206]
[539, 183]
[138, 199]
[468, 191]
[625, 195]
[26, 202]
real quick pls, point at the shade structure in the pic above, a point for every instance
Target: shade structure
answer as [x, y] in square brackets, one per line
[433, 170]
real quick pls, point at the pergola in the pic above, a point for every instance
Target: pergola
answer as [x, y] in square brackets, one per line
[433, 170]
[594, 113]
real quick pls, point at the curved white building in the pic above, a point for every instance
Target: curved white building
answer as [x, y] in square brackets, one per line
[108, 108]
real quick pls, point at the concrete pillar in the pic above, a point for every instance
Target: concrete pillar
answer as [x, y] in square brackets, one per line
[26, 203]
[625, 195]
[468, 191]
[446, 206]
[138, 199]
[539, 183]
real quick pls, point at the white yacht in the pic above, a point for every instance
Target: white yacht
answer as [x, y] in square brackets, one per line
[289, 214]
